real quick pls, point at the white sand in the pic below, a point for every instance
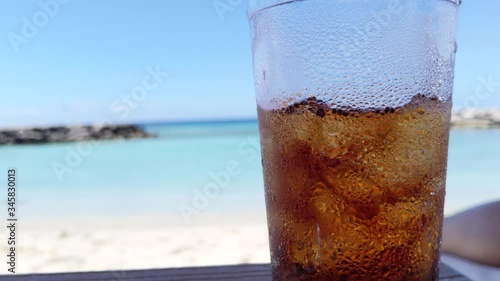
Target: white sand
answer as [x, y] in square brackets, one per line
[86, 244]
[135, 249]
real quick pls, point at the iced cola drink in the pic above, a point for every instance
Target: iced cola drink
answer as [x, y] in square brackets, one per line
[355, 195]
[354, 101]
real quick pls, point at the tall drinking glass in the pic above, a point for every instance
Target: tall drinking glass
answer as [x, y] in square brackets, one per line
[354, 101]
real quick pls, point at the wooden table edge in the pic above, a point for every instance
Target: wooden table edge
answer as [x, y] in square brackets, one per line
[246, 272]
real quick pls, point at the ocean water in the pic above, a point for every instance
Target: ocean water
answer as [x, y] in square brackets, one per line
[195, 168]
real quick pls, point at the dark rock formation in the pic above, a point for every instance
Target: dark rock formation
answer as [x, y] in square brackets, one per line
[71, 134]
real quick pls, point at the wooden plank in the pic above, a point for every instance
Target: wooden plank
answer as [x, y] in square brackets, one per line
[257, 272]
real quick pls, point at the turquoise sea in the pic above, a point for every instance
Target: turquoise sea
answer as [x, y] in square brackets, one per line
[211, 167]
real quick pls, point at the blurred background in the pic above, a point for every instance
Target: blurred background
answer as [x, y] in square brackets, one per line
[180, 70]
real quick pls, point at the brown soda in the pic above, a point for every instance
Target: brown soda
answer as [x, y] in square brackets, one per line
[355, 194]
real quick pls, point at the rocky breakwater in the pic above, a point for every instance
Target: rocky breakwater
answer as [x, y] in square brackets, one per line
[71, 134]
[476, 118]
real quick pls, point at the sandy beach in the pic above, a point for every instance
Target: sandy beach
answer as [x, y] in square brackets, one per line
[87, 244]
[114, 249]
[97, 244]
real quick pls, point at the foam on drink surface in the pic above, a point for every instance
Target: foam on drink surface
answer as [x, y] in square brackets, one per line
[355, 194]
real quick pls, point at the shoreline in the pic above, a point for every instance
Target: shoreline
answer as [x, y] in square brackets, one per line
[124, 219]
[460, 119]
[237, 218]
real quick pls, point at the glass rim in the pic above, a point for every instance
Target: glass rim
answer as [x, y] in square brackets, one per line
[255, 6]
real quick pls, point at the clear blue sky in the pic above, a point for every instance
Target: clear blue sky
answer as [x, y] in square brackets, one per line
[90, 53]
